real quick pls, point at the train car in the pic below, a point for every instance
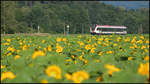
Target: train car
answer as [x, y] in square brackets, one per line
[107, 29]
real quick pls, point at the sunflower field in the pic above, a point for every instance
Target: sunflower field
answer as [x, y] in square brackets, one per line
[75, 59]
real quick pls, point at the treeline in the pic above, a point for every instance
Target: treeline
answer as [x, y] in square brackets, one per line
[53, 16]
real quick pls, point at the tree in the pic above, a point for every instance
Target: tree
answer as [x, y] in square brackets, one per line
[8, 17]
[51, 16]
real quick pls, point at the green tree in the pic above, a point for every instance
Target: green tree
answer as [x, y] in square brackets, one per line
[8, 23]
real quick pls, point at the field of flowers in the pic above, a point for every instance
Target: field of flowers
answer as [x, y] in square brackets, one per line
[75, 59]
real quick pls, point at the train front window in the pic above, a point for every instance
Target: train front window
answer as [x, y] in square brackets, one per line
[99, 29]
[93, 26]
[111, 29]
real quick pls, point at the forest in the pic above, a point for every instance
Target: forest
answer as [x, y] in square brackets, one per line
[53, 16]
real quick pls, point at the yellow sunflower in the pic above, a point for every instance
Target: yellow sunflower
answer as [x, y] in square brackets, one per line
[8, 75]
[54, 71]
[79, 76]
[144, 69]
[59, 49]
[37, 53]
[111, 69]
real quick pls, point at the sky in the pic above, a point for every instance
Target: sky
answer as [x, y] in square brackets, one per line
[129, 4]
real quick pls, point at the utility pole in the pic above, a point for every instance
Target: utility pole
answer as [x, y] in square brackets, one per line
[64, 26]
[67, 29]
[38, 29]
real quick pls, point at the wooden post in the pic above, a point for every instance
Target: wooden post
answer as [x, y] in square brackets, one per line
[4, 21]
[64, 30]
[141, 29]
[82, 28]
[74, 29]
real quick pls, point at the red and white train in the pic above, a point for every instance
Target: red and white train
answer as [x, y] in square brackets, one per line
[107, 29]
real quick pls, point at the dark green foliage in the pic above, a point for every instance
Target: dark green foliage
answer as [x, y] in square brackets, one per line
[53, 16]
